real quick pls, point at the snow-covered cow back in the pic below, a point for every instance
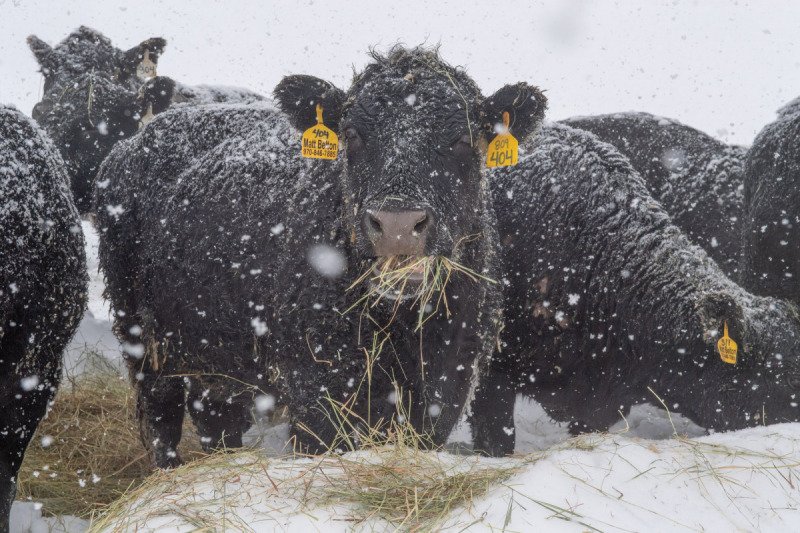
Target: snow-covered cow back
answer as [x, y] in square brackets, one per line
[771, 259]
[698, 179]
[42, 285]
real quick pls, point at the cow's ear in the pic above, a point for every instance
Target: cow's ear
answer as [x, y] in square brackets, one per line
[157, 92]
[525, 105]
[298, 96]
[715, 310]
[131, 59]
[43, 53]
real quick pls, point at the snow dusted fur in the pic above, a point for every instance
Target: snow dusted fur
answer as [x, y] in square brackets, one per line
[698, 179]
[605, 297]
[162, 92]
[771, 258]
[207, 218]
[93, 99]
[42, 286]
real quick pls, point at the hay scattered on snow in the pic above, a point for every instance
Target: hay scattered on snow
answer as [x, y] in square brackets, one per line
[411, 489]
[386, 474]
[86, 453]
[596, 482]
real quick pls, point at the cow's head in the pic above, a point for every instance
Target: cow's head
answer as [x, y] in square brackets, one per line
[90, 99]
[414, 132]
[86, 50]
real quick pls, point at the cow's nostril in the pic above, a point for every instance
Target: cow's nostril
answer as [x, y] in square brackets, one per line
[373, 223]
[420, 226]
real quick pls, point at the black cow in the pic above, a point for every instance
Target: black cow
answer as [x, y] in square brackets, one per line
[771, 258]
[698, 179]
[93, 98]
[90, 99]
[42, 286]
[228, 256]
[605, 297]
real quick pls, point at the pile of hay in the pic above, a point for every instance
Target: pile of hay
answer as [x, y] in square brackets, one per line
[403, 488]
[381, 472]
[86, 453]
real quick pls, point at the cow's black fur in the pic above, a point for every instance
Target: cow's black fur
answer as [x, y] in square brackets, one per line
[162, 92]
[698, 179]
[93, 99]
[771, 258]
[207, 218]
[605, 297]
[42, 285]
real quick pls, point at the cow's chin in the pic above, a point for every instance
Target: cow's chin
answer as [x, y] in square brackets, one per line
[401, 278]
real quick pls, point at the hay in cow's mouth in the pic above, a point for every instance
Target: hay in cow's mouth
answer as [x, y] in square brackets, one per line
[422, 280]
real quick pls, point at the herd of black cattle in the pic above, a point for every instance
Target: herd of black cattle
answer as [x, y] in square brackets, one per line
[612, 256]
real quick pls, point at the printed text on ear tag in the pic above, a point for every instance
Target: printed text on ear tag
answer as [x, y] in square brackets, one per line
[503, 150]
[727, 347]
[146, 68]
[319, 141]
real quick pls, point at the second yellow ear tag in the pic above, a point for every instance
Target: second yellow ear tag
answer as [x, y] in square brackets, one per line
[319, 141]
[146, 68]
[727, 347]
[503, 151]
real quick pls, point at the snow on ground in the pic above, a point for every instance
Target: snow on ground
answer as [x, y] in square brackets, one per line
[94, 333]
[740, 481]
[26, 517]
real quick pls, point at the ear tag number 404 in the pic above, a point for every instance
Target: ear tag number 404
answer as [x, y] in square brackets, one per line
[727, 347]
[146, 68]
[503, 151]
[319, 141]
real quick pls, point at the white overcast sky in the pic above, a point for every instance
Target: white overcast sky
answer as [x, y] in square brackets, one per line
[721, 66]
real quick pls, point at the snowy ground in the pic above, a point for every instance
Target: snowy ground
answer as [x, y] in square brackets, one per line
[94, 333]
[743, 481]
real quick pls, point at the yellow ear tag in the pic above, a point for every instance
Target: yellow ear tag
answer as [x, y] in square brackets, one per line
[504, 149]
[319, 141]
[727, 347]
[146, 68]
[147, 117]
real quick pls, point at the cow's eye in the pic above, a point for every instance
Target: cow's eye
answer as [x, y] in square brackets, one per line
[354, 141]
[465, 139]
[463, 146]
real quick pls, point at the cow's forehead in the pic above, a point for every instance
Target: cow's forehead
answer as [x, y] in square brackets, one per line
[86, 36]
[431, 100]
[85, 49]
